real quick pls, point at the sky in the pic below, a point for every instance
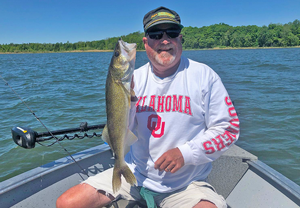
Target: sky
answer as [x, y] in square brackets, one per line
[52, 21]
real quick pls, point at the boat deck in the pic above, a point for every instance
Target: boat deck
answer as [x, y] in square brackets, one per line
[237, 175]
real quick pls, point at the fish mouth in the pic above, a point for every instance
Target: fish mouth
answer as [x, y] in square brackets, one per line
[128, 50]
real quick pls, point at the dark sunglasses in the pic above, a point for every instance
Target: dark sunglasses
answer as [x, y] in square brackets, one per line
[159, 34]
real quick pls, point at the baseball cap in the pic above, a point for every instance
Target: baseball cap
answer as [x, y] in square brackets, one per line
[161, 15]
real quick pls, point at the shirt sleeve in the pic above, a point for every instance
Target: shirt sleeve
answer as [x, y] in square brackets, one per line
[222, 127]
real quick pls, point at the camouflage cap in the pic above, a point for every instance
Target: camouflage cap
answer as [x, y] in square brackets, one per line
[161, 15]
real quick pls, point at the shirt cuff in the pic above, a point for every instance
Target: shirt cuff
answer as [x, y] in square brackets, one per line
[187, 154]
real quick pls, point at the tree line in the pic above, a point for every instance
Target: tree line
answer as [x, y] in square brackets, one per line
[214, 36]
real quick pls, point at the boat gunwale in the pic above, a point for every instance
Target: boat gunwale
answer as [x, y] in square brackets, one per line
[47, 168]
[276, 179]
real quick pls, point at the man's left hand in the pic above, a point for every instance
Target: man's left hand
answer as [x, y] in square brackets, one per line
[170, 161]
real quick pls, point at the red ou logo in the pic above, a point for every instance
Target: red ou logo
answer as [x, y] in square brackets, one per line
[154, 126]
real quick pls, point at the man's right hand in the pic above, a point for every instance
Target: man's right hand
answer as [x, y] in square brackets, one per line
[170, 161]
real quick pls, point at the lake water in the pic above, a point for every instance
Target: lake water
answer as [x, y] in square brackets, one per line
[65, 89]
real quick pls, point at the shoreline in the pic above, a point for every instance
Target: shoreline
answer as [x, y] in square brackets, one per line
[239, 48]
[96, 50]
[73, 51]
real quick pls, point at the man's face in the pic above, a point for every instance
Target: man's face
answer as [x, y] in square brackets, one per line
[163, 53]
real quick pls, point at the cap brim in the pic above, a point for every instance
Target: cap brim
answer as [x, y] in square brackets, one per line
[164, 22]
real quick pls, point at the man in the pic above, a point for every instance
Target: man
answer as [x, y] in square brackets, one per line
[183, 119]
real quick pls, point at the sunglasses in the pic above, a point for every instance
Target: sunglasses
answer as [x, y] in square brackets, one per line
[159, 34]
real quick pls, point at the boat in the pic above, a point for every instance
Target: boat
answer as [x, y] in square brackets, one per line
[239, 176]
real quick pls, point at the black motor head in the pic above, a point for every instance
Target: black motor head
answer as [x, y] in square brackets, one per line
[24, 137]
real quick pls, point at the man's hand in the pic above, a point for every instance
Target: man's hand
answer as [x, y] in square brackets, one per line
[170, 161]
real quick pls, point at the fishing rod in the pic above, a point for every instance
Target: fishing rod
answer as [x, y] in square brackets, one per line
[22, 133]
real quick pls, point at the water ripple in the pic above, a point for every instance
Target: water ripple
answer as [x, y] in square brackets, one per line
[65, 89]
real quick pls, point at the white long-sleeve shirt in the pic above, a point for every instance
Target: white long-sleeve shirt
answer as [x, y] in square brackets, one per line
[190, 110]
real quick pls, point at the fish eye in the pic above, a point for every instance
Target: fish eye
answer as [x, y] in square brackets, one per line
[117, 53]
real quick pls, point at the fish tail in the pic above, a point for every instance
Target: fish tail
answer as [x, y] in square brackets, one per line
[126, 172]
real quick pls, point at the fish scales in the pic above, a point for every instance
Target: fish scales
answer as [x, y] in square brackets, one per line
[118, 94]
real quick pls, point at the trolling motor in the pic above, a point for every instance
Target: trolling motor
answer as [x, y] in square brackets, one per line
[26, 137]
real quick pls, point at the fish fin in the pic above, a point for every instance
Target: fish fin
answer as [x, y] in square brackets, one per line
[130, 139]
[105, 136]
[127, 86]
[126, 172]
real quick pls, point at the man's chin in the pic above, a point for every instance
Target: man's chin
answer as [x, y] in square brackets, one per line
[165, 61]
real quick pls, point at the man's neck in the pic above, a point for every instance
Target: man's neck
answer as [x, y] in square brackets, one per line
[165, 72]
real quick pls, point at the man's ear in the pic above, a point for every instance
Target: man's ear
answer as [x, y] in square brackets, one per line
[145, 40]
[181, 38]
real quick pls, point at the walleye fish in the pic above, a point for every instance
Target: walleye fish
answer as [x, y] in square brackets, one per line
[118, 94]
